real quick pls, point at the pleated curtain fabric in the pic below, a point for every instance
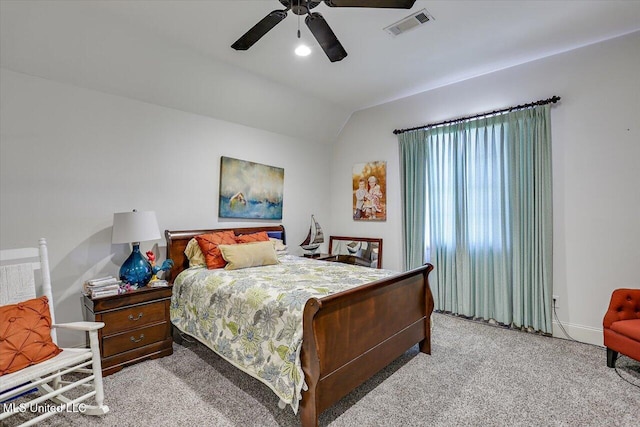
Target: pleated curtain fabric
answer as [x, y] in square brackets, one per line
[487, 200]
[414, 202]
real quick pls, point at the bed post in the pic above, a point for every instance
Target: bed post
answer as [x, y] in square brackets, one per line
[425, 344]
[310, 365]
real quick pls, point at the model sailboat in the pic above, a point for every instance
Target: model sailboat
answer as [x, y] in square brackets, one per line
[314, 238]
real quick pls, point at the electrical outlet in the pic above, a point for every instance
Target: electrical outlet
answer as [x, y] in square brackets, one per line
[555, 301]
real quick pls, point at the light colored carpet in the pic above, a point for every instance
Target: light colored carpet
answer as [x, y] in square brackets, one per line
[477, 375]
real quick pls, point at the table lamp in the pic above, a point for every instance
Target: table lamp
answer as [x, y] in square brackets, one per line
[135, 227]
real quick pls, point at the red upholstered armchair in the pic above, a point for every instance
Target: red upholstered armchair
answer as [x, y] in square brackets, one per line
[622, 325]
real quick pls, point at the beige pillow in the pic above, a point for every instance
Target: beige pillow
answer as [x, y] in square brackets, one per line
[245, 255]
[194, 254]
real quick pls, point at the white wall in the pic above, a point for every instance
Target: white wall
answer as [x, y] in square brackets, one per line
[596, 166]
[71, 157]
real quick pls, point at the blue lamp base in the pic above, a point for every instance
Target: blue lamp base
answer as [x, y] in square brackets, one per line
[136, 270]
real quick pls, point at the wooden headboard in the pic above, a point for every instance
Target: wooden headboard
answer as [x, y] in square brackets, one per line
[177, 243]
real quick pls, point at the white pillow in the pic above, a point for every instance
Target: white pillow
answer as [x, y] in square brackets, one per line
[279, 246]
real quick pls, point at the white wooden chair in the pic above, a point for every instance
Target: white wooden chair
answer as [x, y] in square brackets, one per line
[17, 283]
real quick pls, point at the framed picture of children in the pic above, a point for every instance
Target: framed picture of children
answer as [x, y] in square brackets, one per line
[369, 183]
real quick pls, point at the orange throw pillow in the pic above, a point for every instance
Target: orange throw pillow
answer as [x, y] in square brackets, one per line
[25, 335]
[209, 246]
[260, 236]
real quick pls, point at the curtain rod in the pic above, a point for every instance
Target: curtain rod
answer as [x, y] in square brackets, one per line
[551, 100]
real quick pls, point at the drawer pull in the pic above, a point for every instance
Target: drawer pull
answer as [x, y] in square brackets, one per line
[135, 319]
[133, 339]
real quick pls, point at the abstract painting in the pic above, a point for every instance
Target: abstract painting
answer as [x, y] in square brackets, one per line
[369, 184]
[250, 190]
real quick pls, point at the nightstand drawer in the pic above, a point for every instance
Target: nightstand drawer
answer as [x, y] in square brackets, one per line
[134, 339]
[133, 317]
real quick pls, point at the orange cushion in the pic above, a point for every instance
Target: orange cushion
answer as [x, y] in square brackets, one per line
[25, 335]
[628, 328]
[260, 236]
[209, 246]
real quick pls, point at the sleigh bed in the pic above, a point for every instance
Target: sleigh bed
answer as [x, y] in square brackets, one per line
[347, 336]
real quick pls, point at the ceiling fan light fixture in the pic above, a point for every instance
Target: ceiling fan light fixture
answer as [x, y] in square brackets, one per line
[319, 28]
[303, 50]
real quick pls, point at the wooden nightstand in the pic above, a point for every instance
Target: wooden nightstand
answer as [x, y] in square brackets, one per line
[322, 257]
[137, 326]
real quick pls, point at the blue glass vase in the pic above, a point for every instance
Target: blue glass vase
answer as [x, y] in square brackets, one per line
[136, 270]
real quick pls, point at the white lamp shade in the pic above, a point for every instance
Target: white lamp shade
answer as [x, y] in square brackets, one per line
[129, 227]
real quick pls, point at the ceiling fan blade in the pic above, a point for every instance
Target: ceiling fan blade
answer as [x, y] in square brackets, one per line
[325, 37]
[395, 4]
[260, 29]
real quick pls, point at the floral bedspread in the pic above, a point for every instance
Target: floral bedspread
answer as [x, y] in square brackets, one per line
[253, 317]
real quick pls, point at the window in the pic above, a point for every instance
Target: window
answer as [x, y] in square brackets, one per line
[468, 180]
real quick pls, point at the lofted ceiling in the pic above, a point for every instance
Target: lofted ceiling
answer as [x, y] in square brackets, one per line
[177, 53]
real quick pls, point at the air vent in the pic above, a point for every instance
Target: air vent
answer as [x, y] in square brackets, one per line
[411, 21]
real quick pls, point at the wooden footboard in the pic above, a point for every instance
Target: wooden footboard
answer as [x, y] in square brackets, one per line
[350, 336]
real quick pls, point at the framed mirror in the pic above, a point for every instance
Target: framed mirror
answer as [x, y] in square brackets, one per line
[363, 251]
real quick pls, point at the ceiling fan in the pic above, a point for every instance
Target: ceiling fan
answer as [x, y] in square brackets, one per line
[314, 20]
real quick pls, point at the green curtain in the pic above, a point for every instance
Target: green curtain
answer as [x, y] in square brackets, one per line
[412, 180]
[487, 199]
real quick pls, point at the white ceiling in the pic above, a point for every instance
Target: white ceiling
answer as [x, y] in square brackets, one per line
[177, 53]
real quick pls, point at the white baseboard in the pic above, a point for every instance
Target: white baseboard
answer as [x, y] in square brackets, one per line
[585, 334]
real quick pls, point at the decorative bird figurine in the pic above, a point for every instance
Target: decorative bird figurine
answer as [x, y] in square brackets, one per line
[166, 265]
